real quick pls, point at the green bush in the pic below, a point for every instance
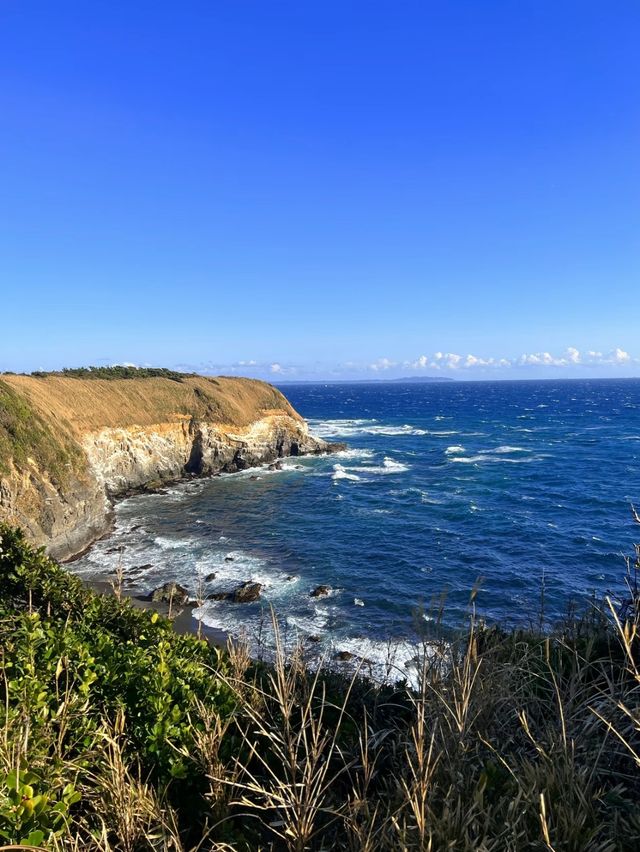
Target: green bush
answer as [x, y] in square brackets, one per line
[118, 735]
[118, 371]
[72, 661]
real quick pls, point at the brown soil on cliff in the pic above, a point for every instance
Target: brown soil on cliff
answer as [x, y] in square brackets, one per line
[90, 404]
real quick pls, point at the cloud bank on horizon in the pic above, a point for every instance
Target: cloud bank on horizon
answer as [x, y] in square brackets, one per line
[571, 362]
[453, 361]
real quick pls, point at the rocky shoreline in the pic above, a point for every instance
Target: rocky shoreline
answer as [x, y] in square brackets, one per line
[88, 442]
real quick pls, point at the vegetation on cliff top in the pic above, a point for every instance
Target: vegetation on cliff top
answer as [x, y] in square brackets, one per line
[117, 371]
[116, 733]
[25, 435]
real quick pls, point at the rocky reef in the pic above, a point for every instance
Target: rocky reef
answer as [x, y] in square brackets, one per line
[70, 446]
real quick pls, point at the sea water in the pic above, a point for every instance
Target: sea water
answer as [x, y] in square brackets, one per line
[519, 489]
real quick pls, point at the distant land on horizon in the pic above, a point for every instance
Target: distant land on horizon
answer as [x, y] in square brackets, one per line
[402, 380]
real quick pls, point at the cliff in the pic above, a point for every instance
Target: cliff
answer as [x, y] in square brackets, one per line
[69, 446]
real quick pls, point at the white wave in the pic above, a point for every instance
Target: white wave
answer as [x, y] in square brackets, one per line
[353, 453]
[384, 661]
[454, 450]
[332, 428]
[358, 602]
[165, 543]
[340, 472]
[392, 464]
[311, 625]
[388, 466]
[352, 428]
[486, 458]
[507, 449]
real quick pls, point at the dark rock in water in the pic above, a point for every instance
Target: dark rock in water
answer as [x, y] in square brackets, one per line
[218, 596]
[115, 549]
[136, 528]
[313, 638]
[275, 466]
[254, 478]
[229, 558]
[247, 592]
[347, 656]
[210, 577]
[333, 447]
[170, 593]
[320, 592]
[138, 568]
[290, 577]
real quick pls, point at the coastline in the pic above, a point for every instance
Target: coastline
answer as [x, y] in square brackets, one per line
[181, 618]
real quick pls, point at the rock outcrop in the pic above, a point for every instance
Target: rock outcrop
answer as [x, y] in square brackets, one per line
[69, 446]
[320, 592]
[170, 593]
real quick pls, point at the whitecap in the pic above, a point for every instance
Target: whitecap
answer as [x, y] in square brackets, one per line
[358, 602]
[340, 472]
[169, 543]
[388, 466]
[352, 428]
[454, 450]
[384, 661]
[353, 453]
[486, 458]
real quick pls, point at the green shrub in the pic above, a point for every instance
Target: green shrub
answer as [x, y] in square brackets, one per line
[119, 735]
[118, 371]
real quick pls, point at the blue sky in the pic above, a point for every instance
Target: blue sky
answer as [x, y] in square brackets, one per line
[296, 189]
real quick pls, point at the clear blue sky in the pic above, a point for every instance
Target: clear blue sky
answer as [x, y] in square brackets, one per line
[321, 189]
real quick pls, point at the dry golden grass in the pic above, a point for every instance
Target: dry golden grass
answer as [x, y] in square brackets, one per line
[92, 404]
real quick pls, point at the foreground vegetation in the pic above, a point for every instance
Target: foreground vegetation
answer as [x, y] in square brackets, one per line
[116, 733]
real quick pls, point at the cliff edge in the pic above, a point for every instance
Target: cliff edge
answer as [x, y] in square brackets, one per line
[69, 446]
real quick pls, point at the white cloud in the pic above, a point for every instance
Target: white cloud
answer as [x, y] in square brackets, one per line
[420, 363]
[276, 368]
[382, 364]
[620, 356]
[571, 358]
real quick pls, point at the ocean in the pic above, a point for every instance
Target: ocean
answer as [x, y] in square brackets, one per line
[520, 490]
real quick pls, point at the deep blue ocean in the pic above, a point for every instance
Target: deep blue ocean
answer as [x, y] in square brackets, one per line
[443, 485]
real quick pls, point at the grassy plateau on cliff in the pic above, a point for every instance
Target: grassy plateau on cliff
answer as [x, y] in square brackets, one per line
[116, 733]
[26, 435]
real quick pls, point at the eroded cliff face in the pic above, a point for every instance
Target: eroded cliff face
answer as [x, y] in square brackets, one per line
[70, 446]
[124, 459]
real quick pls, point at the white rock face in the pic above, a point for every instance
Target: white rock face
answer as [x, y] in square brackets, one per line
[130, 458]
